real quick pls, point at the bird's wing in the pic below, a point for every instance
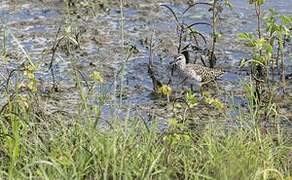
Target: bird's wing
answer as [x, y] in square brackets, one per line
[207, 73]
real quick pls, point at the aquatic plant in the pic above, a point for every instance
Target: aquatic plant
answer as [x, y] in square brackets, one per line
[264, 46]
[188, 34]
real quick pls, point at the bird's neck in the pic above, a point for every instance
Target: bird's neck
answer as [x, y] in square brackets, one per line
[182, 65]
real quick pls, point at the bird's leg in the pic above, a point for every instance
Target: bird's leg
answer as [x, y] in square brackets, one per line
[201, 89]
[182, 82]
[206, 82]
[202, 85]
[217, 87]
[192, 88]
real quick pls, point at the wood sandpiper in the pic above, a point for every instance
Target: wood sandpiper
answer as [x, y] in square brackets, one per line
[195, 73]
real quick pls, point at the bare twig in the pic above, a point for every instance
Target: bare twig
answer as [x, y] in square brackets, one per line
[156, 83]
[173, 13]
[212, 59]
[195, 4]
[83, 78]
[198, 33]
[199, 23]
[54, 49]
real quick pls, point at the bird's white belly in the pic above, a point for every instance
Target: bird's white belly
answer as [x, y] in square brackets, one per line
[192, 75]
[197, 77]
[189, 76]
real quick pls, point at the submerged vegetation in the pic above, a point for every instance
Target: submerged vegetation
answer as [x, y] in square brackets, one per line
[182, 134]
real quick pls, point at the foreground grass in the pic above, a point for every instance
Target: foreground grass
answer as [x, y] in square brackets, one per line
[34, 146]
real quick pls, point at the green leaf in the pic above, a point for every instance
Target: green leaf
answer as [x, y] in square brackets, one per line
[172, 122]
[269, 49]
[218, 35]
[260, 43]
[96, 76]
[165, 90]
[251, 43]
[273, 12]
[68, 30]
[253, 61]
[260, 2]
[285, 20]
[245, 36]
[191, 99]
[228, 4]
[274, 28]
[242, 62]
[73, 40]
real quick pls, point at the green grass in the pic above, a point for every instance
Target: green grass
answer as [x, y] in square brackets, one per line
[38, 145]
[35, 146]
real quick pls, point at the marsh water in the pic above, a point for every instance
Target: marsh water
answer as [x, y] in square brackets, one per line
[31, 27]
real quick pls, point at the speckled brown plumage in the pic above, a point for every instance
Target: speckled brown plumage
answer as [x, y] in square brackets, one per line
[196, 72]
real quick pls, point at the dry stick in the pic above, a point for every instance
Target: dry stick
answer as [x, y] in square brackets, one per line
[8, 78]
[258, 69]
[282, 70]
[258, 13]
[283, 73]
[180, 26]
[156, 83]
[10, 74]
[192, 32]
[173, 13]
[180, 29]
[10, 98]
[144, 122]
[212, 59]
[54, 49]
[198, 23]
[202, 60]
[275, 63]
[193, 5]
[195, 39]
[196, 32]
[83, 78]
[22, 50]
[272, 63]
[122, 35]
[278, 56]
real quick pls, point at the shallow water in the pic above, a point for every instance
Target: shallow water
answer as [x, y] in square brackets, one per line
[35, 25]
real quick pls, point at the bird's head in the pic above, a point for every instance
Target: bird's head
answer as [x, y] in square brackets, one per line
[179, 59]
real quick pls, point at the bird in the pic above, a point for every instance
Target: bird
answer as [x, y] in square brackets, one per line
[195, 73]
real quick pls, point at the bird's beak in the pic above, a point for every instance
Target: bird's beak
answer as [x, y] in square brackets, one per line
[174, 61]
